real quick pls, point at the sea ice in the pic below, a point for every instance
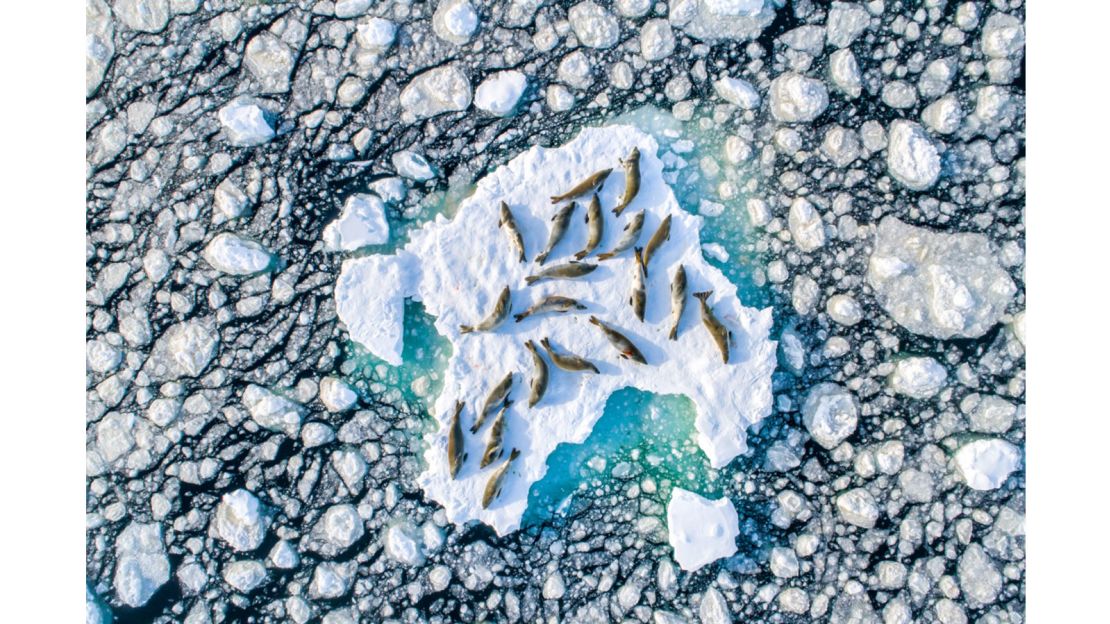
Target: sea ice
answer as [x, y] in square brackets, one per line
[593, 25]
[361, 223]
[737, 91]
[457, 268]
[700, 530]
[439, 90]
[830, 413]
[911, 157]
[499, 93]
[937, 284]
[272, 411]
[375, 34]
[141, 563]
[986, 463]
[918, 377]
[455, 21]
[246, 124]
[796, 98]
[241, 520]
[232, 254]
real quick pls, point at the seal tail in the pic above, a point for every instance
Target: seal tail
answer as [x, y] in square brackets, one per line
[465, 329]
[532, 279]
[674, 332]
[520, 317]
[704, 295]
[595, 321]
[605, 256]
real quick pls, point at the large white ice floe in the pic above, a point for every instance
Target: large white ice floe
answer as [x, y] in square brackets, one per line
[700, 530]
[362, 223]
[458, 268]
[937, 284]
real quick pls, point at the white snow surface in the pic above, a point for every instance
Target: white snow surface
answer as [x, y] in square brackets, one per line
[458, 267]
[362, 223]
[986, 464]
[235, 255]
[499, 93]
[700, 530]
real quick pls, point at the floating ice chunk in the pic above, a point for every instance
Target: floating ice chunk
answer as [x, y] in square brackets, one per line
[336, 531]
[937, 77]
[918, 377]
[795, 98]
[361, 223]
[937, 284]
[844, 309]
[245, 576]
[246, 124]
[413, 166]
[230, 253]
[402, 546]
[102, 357]
[184, 350]
[737, 91]
[143, 15]
[345, 9]
[715, 251]
[272, 411]
[457, 268]
[375, 34]
[784, 562]
[392, 190]
[141, 563]
[944, 115]
[99, 44]
[899, 94]
[841, 146]
[986, 464]
[911, 157]
[499, 93]
[440, 90]
[575, 70]
[980, 580]
[593, 25]
[633, 8]
[1003, 36]
[270, 61]
[830, 414]
[656, 39]
[229, 201]
[722, 19]
[858, 507]
[845, 72]
[241, 520]
[989, 414]
[283, 556]
[806, 227]
[809, 39]
[845, 22]
[336, 395]
[455, 21]
[700, 530]
[559, 98]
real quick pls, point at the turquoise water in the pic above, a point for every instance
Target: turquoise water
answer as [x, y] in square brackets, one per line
[641, 435]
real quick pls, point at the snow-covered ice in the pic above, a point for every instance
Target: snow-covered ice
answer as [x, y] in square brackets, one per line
[985, 464]
[270, 60]
[336, 395]
[594, 26]
[361, 223]
[858, 507]
[699, 529]
[830, 413]
[439, 90]
[232, 254]
[375, 34]
[797, 98]
[244, 576]
[938, 284]
[413, 166]
[458, 267]
[499, 93]
[918, 377]
[241, 520]
[722, 19]
[246, 124]
[911, 157]
[272, 411]
[737, 91]
[455, 21]
[141, 563]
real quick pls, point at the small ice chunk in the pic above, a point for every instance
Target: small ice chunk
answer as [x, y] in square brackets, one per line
[980, 580]
[559, 98]
[844, 309]
[241, 520]
[284, 556]
[911, 157]
[806, 226]
[455, 21]
[841, 146]
[246, 124]
[594, 26]
[345, 9]
[918, 377]
[830, 414]
[796, 98]
[715, 251]
[335, 531]
[737, 91]
[846, 21]
[229, 202]
[391, 190]
[375, 34]
[944, 115]
[270, 60]
[633, 8]
[986, 464]
[784, 562]
[185, 349]
[403, 546]
[232, 254]
[845, 72]
[1003, 36]
[332, 580]
[575, 70]
[336, 395]
[141, 563]
[656, 39]
[440, 90]
[99, 45]
[499, 93]
[990, 414]
[809, 39]
[102, 357]
[858, 507]
[245, 576]
[937, 77]
[899, 94]
[413, 166]
[149, 16]
[272, 411]
[361, 223]
[700, 530]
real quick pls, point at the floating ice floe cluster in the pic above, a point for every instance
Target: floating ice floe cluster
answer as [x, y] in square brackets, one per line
[857, 167]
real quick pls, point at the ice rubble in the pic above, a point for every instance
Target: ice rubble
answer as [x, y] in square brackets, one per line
[700, 530]
[457, 269]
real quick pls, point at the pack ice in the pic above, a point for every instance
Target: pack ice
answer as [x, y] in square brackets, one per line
[457, 268]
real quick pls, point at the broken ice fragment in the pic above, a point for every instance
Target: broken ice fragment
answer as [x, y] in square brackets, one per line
[232, 254]
[700, 530]
[499, 93]
[911, 157]
[246, 124]
[986, 464]
[141, 563]
[361, 223]
[437, 91]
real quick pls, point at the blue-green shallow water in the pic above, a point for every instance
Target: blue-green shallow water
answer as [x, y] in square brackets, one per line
[653, 436]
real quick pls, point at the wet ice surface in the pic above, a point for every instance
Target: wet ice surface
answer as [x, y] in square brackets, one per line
[858, 169]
